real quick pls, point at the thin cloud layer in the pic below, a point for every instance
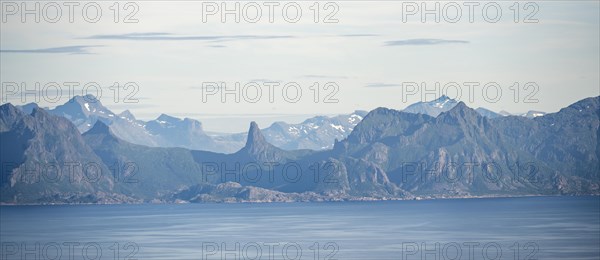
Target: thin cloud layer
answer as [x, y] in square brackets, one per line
[381, 85]
[160, 36]
[423, 42]
[312, 76]
[77, 49]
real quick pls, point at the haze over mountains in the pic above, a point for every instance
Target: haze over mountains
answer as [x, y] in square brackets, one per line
[388, 154]
[167, 131]
[317, 133]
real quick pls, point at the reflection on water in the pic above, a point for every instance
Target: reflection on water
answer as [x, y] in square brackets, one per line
[503, 228]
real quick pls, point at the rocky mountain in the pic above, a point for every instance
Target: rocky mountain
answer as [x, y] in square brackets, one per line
[432, 108]
[316, 133]
[148, 172]
[176, 132]
[28, 108]
[487, 113]
[533, 113]
[85, 111]
[165, 131]
[444, 104]
[45, 159]
[390, 154]
[556, 153]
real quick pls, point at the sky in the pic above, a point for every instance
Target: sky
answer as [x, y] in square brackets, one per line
[179, 57]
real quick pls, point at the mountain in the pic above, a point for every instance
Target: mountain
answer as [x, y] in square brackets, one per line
[390, 154]
[45, 160]
[568, 140]
[148, 172]
[174, 132]
[529, 114]
[127, 115]
[556, 153]
[505, 113]
[432, 108]
[533, 113]
[28, 108]
[444, 104]
[317, 133]
[85, 111]
[487, 113]
[165, 131]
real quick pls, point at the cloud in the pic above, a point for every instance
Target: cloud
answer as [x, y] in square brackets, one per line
[265, 81]
[358, 35]
[422, 42]
[312, 76]
[161, 36]
[242, 83]
[381, 85]
[77, 49]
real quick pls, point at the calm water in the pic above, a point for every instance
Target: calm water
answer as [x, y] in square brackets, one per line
[507, 228]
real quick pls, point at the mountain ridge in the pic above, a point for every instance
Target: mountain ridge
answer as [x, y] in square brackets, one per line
[389, 154]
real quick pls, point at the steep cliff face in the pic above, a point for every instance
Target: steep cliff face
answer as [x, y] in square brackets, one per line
[45, 159]
[462, 152]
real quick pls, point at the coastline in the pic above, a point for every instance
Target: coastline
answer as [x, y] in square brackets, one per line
[362, 199]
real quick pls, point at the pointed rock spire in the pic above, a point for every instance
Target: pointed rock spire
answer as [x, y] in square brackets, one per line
[259, 149]
[255, 137]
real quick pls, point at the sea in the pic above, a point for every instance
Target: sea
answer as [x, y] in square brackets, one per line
[559, 227]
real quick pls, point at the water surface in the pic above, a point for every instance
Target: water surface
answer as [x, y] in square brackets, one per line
[497, 228]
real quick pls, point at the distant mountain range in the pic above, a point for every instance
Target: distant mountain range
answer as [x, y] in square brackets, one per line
[317, 133]
[388, 154]
[444, 104]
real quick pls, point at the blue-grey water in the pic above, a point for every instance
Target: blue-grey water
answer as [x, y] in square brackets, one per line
[498, 228]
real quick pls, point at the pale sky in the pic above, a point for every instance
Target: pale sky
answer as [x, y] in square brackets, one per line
[367, 51]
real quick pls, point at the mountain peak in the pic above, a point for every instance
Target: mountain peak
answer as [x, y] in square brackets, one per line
[432, 108]
[443, 102]
[89, 98]
[127, 114]
[460, 105]
[38, 111]
[461, 110]
[8, 107]
[255, 137]
[99, 128]
[487, 113]
[28, 108]
[84, 105]
[443, 98]
[168, 118]
[258, 148]
[9, 114]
